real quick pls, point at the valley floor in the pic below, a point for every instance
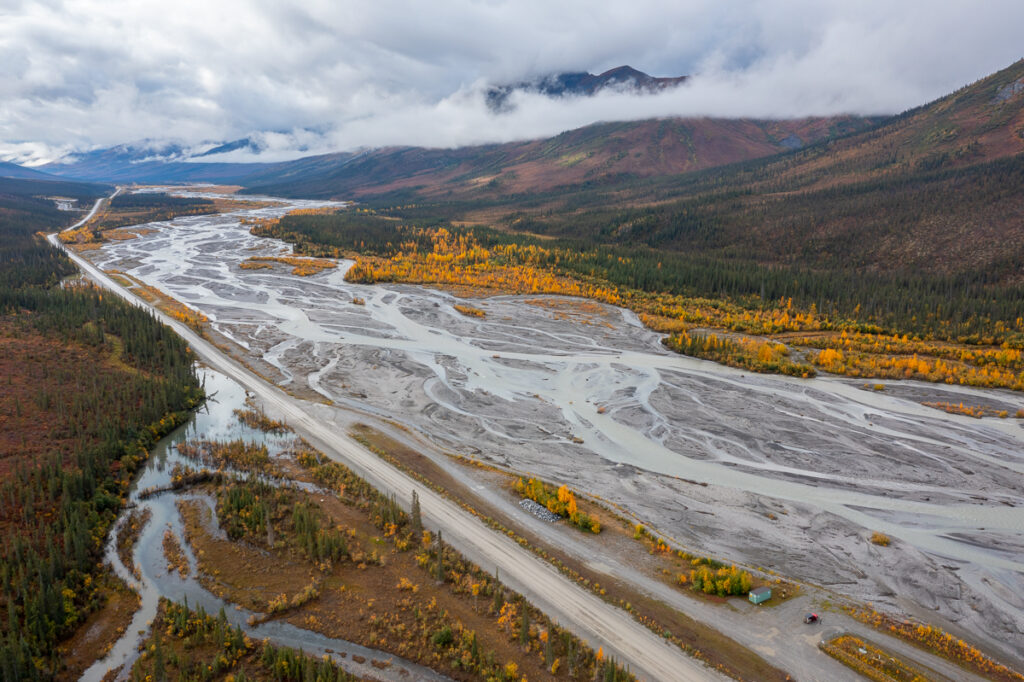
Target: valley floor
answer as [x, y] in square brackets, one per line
[786, 474]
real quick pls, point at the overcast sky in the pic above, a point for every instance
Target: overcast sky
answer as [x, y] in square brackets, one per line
[328, 75]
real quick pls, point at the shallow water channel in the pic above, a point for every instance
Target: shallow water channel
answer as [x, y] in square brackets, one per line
[773, 471]
[214, 421]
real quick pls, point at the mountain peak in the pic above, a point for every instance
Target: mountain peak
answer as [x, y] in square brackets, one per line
[582, 84]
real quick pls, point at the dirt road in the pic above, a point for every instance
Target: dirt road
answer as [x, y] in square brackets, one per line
[599, 623]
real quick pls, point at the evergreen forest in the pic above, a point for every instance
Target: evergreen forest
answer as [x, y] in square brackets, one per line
[89, 383]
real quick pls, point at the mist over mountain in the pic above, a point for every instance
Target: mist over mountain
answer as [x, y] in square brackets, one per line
[77, 80]
[622, 78]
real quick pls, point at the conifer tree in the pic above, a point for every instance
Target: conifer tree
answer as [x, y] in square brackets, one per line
[416, 519]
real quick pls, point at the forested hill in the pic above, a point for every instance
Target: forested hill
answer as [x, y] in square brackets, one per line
[935, 190]
[597, 154]
[916, 225]
[24, 209]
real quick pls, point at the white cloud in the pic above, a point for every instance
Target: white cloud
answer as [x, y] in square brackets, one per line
[88, 73]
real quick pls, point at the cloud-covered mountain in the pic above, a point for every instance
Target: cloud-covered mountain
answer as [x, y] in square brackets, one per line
[153, 162]
[331, 76]
[621, 78]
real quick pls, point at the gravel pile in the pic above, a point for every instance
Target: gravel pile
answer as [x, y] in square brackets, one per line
[539, 510]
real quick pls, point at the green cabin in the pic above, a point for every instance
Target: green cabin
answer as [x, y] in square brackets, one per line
[760, 594]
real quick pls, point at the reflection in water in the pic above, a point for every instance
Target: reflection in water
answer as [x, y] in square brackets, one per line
[214, 421]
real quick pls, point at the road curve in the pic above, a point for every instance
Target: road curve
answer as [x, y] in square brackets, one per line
[90, 214]
[599, 623]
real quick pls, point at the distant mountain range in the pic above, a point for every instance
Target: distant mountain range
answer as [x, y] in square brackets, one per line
[636, 149]
[157, 163]
[581, 84]
[144, 163]
[936, 187]
[598, 153]
[13, 170]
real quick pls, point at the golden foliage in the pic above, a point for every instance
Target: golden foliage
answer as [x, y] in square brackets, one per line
[871, 661]
[940, 642]
[880, 539]
[470, 311]
[728, 580]
[300, 266]
[900, 357]
[562, 502]
[976, 411]
[758, 355]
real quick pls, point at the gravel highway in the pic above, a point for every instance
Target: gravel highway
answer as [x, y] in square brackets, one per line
[599, 623]
[790, 474]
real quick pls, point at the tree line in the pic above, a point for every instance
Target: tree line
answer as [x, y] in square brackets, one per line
[973, 306]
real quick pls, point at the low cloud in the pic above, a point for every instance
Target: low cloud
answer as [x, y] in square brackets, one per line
[339, 76]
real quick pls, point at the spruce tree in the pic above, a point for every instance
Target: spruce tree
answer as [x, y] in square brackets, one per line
[416, 518]
[440, 556]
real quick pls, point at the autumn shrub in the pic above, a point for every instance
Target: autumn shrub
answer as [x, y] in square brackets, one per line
[938, 641]
[756, 355]
[470, 311]
[302, 267]
[880, 539]
[976, 411]
[257, 419]
[723, 581]
[870, 661]
[561, 502]
[238, 454]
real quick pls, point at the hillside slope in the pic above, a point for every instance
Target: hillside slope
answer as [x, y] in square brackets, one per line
[935, 190]
[126, 163]
[600, 153]
[13, 170]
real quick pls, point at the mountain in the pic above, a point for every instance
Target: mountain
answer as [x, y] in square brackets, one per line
[245, 143]
[599, 153]
[163, 163]
[582, 84]
[593, 153]
[935, 191]
[13, 170]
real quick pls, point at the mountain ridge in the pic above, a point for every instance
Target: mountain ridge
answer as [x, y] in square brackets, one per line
[13, 170]
[582, 84]
[933, 190]
[594, 153]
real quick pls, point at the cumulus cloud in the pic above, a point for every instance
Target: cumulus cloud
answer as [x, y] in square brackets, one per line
[333, 75]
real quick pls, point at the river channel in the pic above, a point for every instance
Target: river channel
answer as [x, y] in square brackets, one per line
[214, 421]
[773, 471]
